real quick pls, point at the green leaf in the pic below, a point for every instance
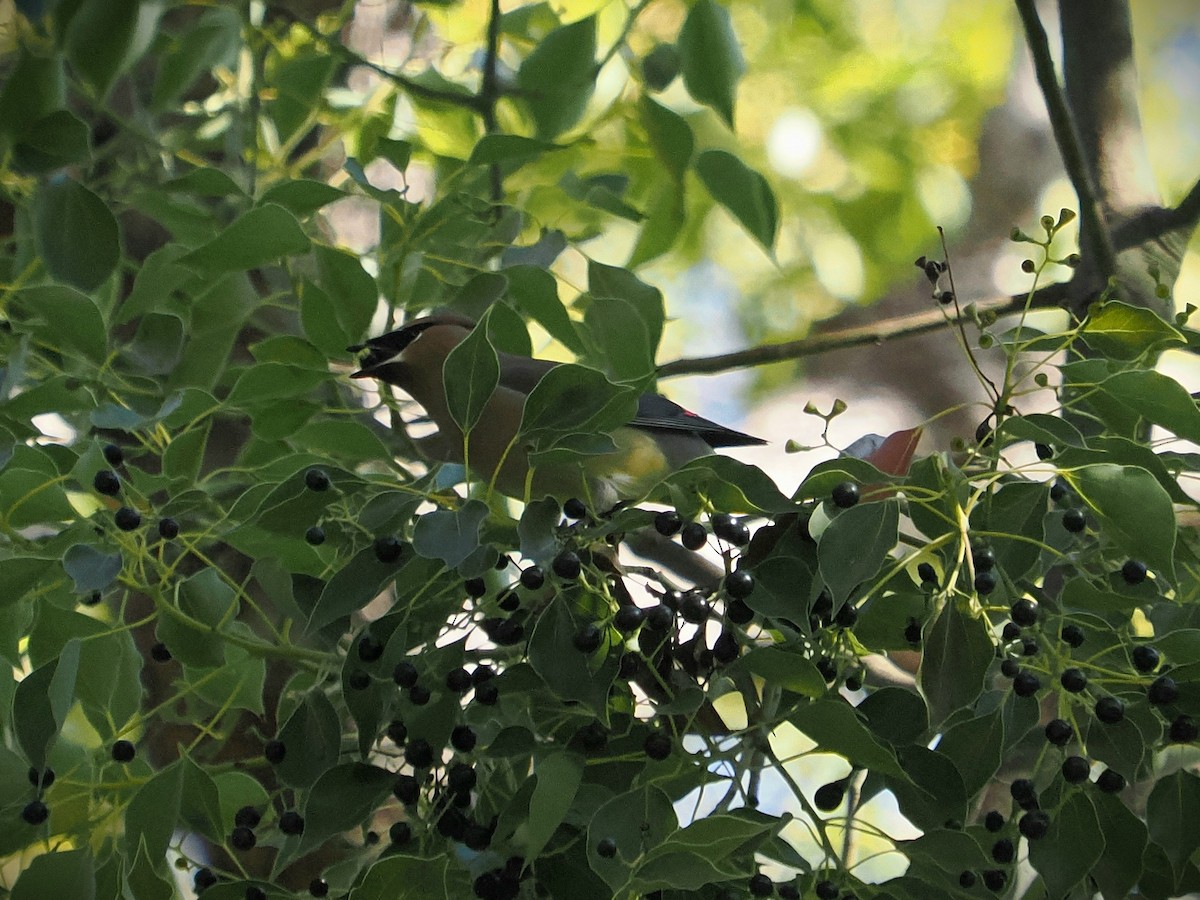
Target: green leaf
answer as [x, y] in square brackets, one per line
[52, 142]
[153, 814]
[958, 653]
[557, 780]
[669, 135]
[711, 58]
[558, 77]
[41, 703]
[1073, 845]
[1156, 398]
[729, 485]
[1121, 331]
[75, 234]
[353, 586]
[157, 346]
[637, 819]
[1120, 866]
[1170, 815]
[783, 668]
[742, 191]
[341, 275]
[1134, 509]
[613, 282]
[856, 544]
[260, 237]
[99, 40]
[931, 791]
[341, 799]
[400, 877]
[537, 530]
[977, 748]
[510, 150]
[62, 318]
[534, 291]
[572, 399]
[312, 740]
[63, 873]
[897, 715]
[470, 374]
[837, 728]
[569, 675]
[212, 38]
[450, 535]
[90, 568]
[33, 88]
[302, 196]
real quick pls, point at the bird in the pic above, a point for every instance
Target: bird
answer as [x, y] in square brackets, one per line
[660, 438]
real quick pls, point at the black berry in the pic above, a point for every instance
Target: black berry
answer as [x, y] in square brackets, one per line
[400, 833]
[1073, 680]
[694, 608]
[388, 548]
[107, 482]
[358, 680]
[567, 565]
[407, 789]
[242, 838]
[316, 480]
[845, 494]
[1003, 851]
[35, 812]
[1134, 571]
[985, 582]
[533, 578]
[761, 886]
[1072, 635]
[370, 648]
[693, 536]
[487, 694]
[1010, 667]
[1111, 782]
[668, 522]
[1074, 520]
[1145, 658]
[826, 890]
[463, 738]
[1024, 612]
[966, 879]
[475, 587]
[458, 680]
[315, 535]
[995, 879]
[123, 751]
[418, 695]
[1163, 690]
[1023, 791]
[927, 573]
[993, 821]
[404, 674]
[1076, 769]
[1059, 732]
[739, 585]
[658, 745]
[738, 612]
[204, 878]
[318, 887]
[1183, 730]
[168, 529]
[247, 817]
[128, 518]
[418, 753]
[574, 508]
[1110, 710]
[1026, 684]
[291, 822]
[113, 455]
[587, 639]
[274, 751]
[628, 619]
[606, 848]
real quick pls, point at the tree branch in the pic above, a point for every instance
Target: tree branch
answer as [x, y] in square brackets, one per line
[875, 333]
[489, 93]
[1066, 136]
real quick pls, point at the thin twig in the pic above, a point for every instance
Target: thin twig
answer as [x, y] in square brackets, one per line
[962, 330]
[1066, 136]
[489, 93]
[860, 335]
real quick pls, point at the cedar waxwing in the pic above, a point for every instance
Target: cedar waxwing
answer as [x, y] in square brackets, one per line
[661, 437]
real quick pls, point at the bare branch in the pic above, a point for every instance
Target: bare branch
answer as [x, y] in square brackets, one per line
[489, 92]
[875, 333]
[1066, 136]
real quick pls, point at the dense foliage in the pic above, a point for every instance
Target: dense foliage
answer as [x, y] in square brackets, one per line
[254, 645]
